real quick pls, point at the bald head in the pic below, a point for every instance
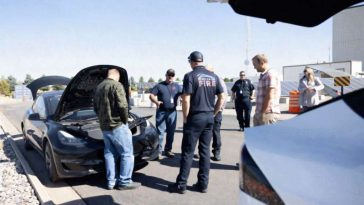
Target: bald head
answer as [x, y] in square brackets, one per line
[210, 68]
[113, 74]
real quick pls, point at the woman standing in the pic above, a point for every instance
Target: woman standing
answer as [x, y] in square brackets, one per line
[309, 86]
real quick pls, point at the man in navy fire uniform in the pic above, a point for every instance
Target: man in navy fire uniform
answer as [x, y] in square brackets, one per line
[198, 106]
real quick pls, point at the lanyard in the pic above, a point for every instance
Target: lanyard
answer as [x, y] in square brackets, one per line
[170, 89]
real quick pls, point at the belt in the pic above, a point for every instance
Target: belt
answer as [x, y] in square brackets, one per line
[167, 109]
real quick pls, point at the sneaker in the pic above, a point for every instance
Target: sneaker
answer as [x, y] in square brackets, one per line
[169, 154]
[157, 158]
[197, 187]
[110, 187]
[196, 156]
[173, 188]
[129, 186]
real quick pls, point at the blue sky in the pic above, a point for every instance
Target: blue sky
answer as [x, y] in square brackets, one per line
[146, 37]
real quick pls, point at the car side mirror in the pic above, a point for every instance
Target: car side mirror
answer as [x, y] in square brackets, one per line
[34, 116]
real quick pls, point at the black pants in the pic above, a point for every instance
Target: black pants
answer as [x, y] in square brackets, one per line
[216, 137]
[198, 128]
[243, 108]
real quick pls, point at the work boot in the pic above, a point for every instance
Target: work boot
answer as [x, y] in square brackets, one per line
[169, 154]
[129, 186]
[197, 187]
[216, 156]
[174, 188]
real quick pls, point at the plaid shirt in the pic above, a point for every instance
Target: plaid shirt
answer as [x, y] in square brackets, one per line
[268, 79]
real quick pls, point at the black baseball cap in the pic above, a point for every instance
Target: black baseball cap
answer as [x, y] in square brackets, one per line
[196, 56]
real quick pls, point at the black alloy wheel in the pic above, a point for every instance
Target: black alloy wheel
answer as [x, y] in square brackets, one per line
[27, 144]
[49, 162]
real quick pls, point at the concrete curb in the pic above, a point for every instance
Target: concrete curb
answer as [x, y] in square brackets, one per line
[45, 195]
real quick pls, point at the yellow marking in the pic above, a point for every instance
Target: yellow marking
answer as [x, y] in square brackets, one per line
[342, 81]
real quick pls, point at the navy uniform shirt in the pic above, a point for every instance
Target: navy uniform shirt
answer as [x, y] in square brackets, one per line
[202, 85]
[168, 94]
[243, 89]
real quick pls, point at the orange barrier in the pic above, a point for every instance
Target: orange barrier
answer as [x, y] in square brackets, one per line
[294, 101]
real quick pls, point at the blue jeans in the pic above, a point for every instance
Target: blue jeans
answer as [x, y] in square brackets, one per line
[166, 122]
[118, 143]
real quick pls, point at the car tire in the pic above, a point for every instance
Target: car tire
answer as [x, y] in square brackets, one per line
[27, 144]
[49, 162]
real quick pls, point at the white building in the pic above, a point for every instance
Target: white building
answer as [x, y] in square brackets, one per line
[295, 72]
[348, 35]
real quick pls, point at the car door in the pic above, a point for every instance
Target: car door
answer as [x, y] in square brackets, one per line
[38, 126]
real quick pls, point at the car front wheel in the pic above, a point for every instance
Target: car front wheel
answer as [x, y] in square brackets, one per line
[27, 144]
[49, 162]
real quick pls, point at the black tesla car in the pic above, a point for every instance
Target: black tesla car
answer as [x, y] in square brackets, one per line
[64, 128]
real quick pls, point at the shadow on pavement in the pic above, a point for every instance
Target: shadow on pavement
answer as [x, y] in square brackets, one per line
[102, 200]
[175, 162]
[151, 181]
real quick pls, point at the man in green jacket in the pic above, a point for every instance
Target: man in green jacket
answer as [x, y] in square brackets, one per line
[111, 106]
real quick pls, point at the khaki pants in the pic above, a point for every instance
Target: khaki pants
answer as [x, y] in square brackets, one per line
[265, 118]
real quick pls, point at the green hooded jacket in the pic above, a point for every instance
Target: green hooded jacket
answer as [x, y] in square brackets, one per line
[110, 104]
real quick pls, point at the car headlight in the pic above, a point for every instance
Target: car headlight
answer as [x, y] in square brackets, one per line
[68, 139]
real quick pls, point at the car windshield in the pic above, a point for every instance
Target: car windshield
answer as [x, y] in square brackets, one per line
[53, 103]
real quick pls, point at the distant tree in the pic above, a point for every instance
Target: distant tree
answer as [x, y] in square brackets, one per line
[5, 87]
[12, 82]
[178, 80]
[45, 88]
[132, 81]
[133, 85]
[151, 80]
[231, 79]
[58, 87]
[226, 80]
[141, 79]
[160, 80]
[28, 79]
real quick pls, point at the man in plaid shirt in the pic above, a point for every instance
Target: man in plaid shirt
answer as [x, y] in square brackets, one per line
[268, 93]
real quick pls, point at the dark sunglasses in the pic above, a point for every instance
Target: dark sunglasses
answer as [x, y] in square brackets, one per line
[242, 74]
[170, 75]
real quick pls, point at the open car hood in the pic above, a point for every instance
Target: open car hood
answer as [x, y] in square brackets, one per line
[299, 12]
[79, 92]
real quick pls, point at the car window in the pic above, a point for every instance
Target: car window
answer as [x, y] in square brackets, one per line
[39, 107]
[53, 103]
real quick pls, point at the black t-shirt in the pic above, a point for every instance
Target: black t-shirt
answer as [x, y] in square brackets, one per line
[168, 94]
[243, 88]
[203, 85]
